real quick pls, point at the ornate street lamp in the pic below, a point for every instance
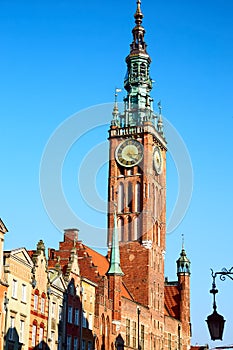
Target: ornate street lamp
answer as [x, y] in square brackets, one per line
[215, 321]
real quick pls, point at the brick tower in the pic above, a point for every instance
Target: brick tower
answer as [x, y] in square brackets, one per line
[137, 179]
[183, 274]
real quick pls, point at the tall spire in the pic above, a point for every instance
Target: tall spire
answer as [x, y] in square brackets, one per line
[138, 104]
[138, 84]
[115, 268]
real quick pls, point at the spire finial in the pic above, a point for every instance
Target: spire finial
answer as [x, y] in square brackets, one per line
[115, 112]
[160, 107]
[182, 235]
[138, 15]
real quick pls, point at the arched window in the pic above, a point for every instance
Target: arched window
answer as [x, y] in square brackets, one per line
[136, 227]
[41, 336]
[138, 197]
[156, 202]
[129, 228]
[130, 197]
[159, 236]
[107, 334]
[155, 232]
[34, 331]
[42, 303]
[120, 197]
[153, 199]
[103, 331]
[36, 299]
[121, 229]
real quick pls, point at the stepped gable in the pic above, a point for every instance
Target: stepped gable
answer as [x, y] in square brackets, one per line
[92, 264]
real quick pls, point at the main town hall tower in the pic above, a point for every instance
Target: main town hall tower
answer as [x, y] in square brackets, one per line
[137, 179]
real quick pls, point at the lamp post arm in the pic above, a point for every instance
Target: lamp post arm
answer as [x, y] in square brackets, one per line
[223, 274]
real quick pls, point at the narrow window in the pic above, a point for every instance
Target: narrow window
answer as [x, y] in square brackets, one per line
[169, 341]
[90, 321]
[129, 229]
[83, 345]
[33, 335]
[70, 312]
[143, 70]
[76, 317]
[53, 310]
[60, 312]
[127, 332]
[121, 229]
[21, 331]
[135, 69]
[35, 302]
[142, 336]
[42, 305]
[24, 293]
[14, 288]
[41, 337]
[130, 197]
[68, 341]
[11, 330]
[84, 319]
[158, 236]
[134, 334]
[75, 343]
[137, 197]
[121, 198]
[136, 226]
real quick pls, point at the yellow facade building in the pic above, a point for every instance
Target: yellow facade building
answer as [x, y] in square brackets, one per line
[17, 268]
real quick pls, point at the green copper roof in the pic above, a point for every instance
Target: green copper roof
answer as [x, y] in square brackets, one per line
[138, 104]
[183, 263]
[115, 268]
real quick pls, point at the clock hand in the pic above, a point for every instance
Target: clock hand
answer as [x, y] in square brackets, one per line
[132, 156]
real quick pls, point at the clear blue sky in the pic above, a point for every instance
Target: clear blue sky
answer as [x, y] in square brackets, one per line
[59, 57]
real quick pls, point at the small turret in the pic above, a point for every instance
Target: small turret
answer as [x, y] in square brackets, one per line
[183, 263]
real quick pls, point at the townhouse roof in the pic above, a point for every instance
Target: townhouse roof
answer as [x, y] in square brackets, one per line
[172, 300]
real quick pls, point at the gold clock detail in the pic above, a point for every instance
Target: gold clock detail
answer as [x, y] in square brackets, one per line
[158, 160]
[129, 153]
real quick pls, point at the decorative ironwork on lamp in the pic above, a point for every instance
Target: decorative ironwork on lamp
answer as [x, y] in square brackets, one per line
[216, 321]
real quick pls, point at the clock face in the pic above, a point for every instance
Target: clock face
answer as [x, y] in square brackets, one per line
[129, 153]
[158, 160]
